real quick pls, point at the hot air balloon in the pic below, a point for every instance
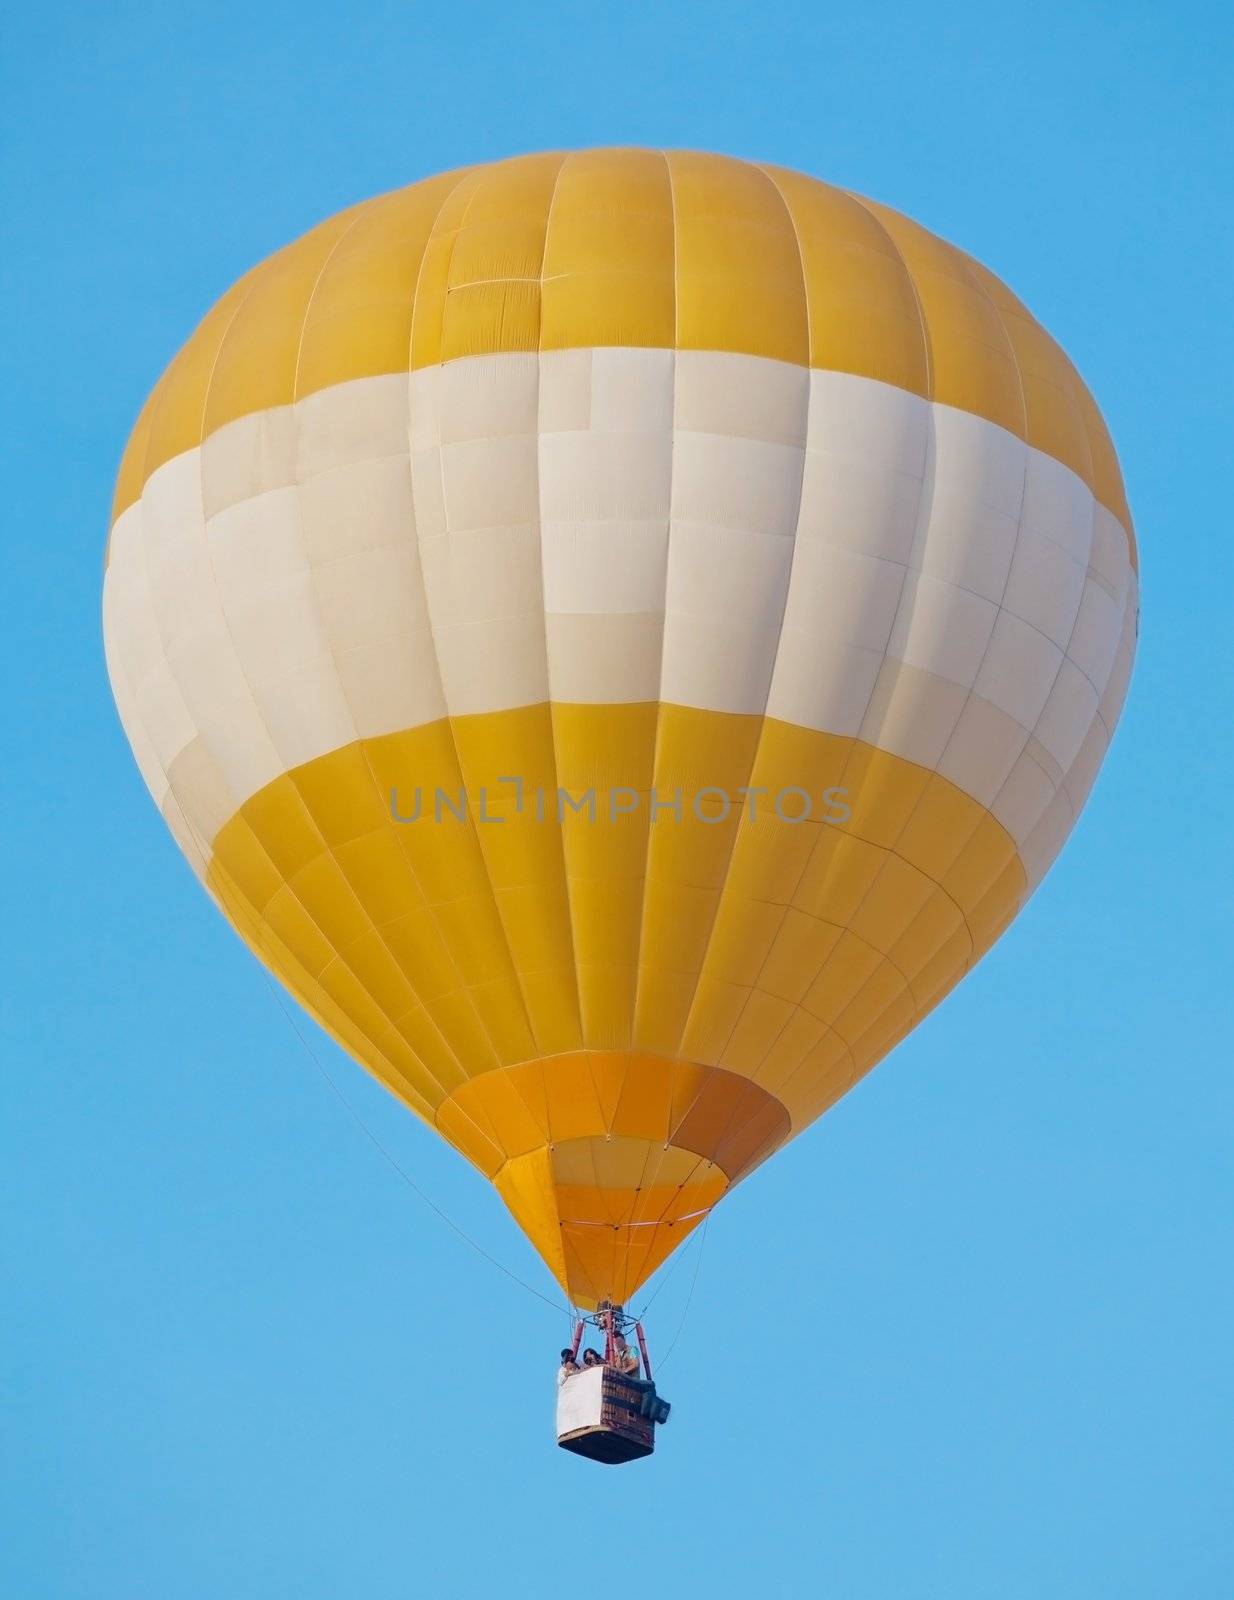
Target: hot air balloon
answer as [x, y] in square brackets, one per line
[619, 634]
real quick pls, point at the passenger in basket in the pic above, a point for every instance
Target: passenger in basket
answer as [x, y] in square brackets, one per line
[568, 1367]
[625, 1359]
[591, 1358]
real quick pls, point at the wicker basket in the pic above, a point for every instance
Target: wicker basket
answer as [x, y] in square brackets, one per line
[599, 1415]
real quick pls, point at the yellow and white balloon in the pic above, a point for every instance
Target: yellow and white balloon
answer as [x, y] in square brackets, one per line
[613, 477]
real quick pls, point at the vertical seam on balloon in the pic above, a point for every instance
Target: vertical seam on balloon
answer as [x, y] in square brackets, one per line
[363, 211]
[668, 542]
[241, 302]
[629, 1218]
[595, 1088]
[927, 348]
[720, 896]
[922, 519]
[788, 586]
[447, 719]
[641, 1185]
[148, 471]
[788, 589]
[785, 911]
[548, 680]
[698, 976]
[929, 472]
[650, 1144]
[464, 174]
[857, 741]
[657, 1150]
[656, 736]
[918, 551]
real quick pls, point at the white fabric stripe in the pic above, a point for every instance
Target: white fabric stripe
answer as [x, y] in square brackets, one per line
[503, 529]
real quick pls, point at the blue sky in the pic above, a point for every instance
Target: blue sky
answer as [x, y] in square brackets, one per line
[967, 1337]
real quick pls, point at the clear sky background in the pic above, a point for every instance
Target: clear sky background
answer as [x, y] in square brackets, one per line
[968, 1337]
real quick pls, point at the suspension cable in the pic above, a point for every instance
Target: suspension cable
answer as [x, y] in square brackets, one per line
[662, 1361]
[651, 1299]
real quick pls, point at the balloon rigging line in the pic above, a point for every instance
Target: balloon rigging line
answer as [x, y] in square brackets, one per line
[663, 1283]
[698, 1262]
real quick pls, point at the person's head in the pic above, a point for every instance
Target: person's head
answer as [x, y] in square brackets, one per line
[619, 1339]
[567, 1358]
[590, 1358]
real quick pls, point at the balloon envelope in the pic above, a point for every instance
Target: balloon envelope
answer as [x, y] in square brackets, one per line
[619, 634]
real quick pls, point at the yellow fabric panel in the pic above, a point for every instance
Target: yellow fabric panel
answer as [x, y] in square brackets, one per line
[972, 362]
[687, 860]
[624, 247]
[429, 290]
[170, 422]
[861, 306]
[523, 861]
[132, 475]
[609, 254]
[480, 291]
[178, 420]
[739, 279]
[358, 318]
[613, 757]
[259, 352]
[526, 1186]
[299, 960]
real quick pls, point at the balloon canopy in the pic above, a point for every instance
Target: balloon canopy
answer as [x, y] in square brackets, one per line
[619, 634]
